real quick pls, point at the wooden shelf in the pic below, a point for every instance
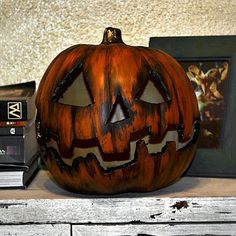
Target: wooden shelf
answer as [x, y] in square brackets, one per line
[192, 205]
[43, 187]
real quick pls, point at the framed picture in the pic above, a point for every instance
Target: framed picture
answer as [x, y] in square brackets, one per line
[210, 65]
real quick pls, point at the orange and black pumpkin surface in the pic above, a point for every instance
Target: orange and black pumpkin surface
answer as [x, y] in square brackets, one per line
[139, 129]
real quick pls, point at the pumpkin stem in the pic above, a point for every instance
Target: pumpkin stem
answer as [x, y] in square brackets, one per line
[112, 35]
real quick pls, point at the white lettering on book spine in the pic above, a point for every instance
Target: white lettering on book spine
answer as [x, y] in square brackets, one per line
[14, 110]
[12, 130]
[2, 152]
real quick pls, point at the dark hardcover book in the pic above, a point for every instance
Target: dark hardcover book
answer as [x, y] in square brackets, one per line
[17, 143]
[19, 176]
[17, 102]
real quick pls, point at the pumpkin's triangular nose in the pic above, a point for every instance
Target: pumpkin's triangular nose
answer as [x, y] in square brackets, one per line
[118, 112]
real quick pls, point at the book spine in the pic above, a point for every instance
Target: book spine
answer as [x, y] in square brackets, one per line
[12, 149]
[17, 144]
[13, 110]
[11, 131]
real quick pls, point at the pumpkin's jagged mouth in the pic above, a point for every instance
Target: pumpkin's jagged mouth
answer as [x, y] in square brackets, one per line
[127, 158]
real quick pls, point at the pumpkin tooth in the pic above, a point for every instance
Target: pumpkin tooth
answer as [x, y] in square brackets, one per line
[169, 137]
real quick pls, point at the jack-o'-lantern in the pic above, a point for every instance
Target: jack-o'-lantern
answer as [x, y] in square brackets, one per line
[126, 117]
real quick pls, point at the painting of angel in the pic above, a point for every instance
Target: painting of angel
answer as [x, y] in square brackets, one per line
[209, 81]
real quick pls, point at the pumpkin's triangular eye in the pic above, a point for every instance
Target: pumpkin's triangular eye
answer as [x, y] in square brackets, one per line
[77, 94]
[151, 94]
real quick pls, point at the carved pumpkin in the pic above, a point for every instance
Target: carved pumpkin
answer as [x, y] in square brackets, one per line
[126, 139]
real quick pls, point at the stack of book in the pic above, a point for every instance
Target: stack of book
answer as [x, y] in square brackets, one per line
[19, 157]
